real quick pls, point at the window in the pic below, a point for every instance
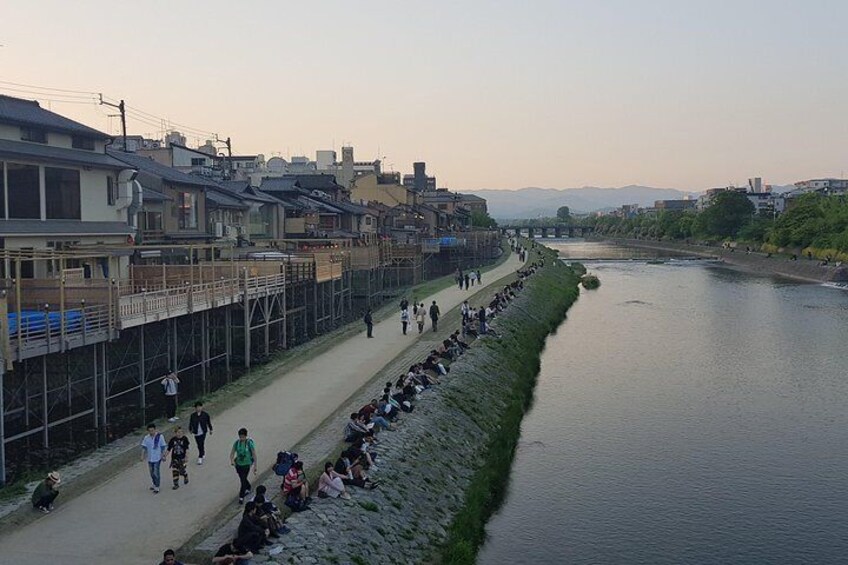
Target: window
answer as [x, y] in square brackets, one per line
[111, 193]
[62, 193]
[187, 211]
[82, 142]
[36, 135]
[367, 220]
[23, 190]
[198, 162]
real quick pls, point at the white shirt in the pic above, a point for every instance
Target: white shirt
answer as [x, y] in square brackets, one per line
[154, 446]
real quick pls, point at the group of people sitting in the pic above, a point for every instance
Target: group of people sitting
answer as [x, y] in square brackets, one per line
[477, 322]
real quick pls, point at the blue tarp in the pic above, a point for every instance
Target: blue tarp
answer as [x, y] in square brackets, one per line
[33, 321]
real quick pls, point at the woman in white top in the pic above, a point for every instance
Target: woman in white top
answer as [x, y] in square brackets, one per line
[330, 483]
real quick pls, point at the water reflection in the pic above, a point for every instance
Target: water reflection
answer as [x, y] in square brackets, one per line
[685, 413]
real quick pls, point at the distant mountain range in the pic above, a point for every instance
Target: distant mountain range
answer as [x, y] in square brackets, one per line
[543, 202]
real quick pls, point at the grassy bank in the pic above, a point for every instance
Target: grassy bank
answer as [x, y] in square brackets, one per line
[515, 360]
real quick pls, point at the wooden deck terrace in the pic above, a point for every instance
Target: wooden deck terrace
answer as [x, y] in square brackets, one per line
[53, 315]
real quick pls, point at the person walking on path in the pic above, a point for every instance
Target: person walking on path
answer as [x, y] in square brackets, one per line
[466, 281]
[178, 450]
[404, 304]
[369, 322]
[473, 276]
[46, 492]
[479, 277]
[404, 319]
[421, 317]
[434, 315]
[153, 448]
[170, 385]
[199, 425]
[242, 456]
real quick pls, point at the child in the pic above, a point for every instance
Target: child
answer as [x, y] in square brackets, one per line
[178, 449]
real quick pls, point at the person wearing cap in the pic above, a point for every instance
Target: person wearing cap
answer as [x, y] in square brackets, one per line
[46, 492]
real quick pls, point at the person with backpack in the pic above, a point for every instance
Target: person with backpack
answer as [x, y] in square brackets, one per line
[242, 456]
[178, 449]
[200, 424]
[434, 315]
[153, 448]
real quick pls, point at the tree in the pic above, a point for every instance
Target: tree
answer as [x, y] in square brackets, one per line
[563, 213]
[729, 212]
[480, 219]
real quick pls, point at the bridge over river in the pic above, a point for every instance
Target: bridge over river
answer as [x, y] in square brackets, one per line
[545, 231]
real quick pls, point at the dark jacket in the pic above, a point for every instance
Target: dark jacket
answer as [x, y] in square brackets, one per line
[434, 312]
[199, 423]
[248, 526]
[367, 318]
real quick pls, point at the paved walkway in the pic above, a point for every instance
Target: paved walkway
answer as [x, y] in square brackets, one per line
[121, 521]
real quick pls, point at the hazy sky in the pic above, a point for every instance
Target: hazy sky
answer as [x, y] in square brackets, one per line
[491, 94]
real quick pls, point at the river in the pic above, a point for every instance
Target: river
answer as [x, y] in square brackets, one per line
[685, 413]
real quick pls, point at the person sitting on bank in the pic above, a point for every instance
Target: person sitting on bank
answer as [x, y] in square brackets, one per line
[296, 487]
[330, 484]
[371, 413]
[268, 512]
[352, 472]
[251, 534]
[232, 553]
[46, 492]
[354, 429]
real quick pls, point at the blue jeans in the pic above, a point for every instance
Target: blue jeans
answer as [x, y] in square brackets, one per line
[380, 422]
[154, 472]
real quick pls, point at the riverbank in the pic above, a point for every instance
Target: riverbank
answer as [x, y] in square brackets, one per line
[754, 262]
[445, 469]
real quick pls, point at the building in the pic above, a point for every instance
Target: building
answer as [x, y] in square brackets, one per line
[59, 186]
[172, 205]
[675, 205]
[384, 188]
[474, 203]
[419, 181]
[184, 159]
[825, 186]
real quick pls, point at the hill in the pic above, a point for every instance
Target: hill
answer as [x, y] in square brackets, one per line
[535, 202]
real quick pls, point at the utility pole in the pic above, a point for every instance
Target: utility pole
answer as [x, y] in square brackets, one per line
[122, 109]
[229, 145]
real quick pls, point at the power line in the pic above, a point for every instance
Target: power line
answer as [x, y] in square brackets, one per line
[30, 86]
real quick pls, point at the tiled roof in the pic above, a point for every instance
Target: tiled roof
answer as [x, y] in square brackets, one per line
[279, 184]
[50, 154]
[151, 167]
[30, 113]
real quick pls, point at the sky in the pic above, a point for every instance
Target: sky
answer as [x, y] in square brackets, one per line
[496, 94]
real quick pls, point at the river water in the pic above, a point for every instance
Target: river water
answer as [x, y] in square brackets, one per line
[685, 413]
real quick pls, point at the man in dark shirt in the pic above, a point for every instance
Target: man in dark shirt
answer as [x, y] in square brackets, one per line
[434, 315]
[232, 554]
[250, 534]
[200, 424]
[369, 322]
[170, 558]
[178, 449]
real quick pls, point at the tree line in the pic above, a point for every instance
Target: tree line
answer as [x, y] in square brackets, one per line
[814, 223]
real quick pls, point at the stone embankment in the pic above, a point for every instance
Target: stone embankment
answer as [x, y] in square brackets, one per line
[756, 262]
[433, 469]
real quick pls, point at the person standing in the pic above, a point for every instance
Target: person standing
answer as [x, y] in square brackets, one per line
[242, 456]
[153, 448]
[434, 315]
[404, 319]
[199, 425]
[178, 450]
[369, 322]
[466, 311]
[170, 385]
[466, 281]
[46, 492]
[479, 277]
[404, 304]
[473, 276]
[481, 315]
[421, 317]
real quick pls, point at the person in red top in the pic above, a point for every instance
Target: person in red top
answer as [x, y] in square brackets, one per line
[295, 483]
[369, 409]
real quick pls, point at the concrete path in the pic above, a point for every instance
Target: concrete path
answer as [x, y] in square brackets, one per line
[121, 521]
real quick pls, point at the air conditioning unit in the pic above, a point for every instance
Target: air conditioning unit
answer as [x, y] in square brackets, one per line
[219, 229]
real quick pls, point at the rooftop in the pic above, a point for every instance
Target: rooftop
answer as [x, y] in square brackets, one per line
[30, 113]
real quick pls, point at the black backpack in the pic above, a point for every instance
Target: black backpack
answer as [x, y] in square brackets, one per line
[285, 459]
